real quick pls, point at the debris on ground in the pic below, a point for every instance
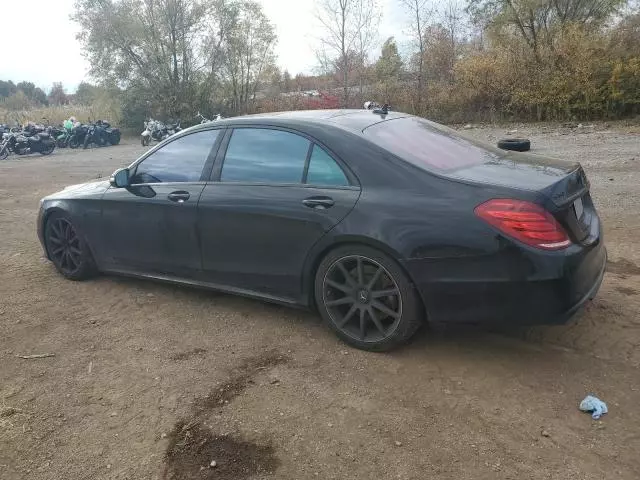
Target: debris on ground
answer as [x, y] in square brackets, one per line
[9, 411]
[37, 355]
[593, 405]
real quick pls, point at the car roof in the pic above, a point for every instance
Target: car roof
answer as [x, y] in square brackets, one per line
[348, 119]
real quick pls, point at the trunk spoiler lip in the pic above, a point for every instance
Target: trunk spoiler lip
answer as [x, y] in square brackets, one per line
[575, 178]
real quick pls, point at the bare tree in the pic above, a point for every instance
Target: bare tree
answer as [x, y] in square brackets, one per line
[348, 34]
[420, 13]
[367, 20]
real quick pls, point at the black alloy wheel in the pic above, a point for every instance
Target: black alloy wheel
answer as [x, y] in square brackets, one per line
[67, 250]
[368, 300]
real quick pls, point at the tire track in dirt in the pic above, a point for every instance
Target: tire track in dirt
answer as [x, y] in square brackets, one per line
[193, 446]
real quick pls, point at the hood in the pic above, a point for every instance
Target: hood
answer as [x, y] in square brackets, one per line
[82, 190]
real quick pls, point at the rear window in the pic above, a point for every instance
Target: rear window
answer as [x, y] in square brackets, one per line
[428, 145]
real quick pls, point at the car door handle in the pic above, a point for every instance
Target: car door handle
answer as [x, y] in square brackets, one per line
[179, 196]
[320, 203]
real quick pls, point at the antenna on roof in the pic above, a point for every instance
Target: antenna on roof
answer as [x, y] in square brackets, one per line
[383, 110]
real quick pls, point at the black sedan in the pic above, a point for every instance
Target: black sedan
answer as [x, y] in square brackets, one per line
[380, 221]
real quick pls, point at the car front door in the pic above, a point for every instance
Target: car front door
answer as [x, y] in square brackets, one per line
[273, 195]
[151, 225]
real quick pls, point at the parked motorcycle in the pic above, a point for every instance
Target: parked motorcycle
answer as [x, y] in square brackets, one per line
[63, 137]
[25, 142]
[113, 134]
[78, 134]
[204, 119]
[158, 131]
[96, 134]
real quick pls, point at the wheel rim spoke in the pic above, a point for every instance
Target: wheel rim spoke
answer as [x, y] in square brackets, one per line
[384, 309]
[376, 321]
[348, 316]
[374, 279]
[363, 324]
[339, 286]
[384, 293]
[340, 301]
[56, 231]
[72, 260]
[55, 240]
[359, 270]
[55, 252]
[347, 275]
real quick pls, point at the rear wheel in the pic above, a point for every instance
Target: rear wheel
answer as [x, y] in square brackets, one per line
[67, 249]
[114, 138]
[367, 299]
[74, 142]
[48, 149]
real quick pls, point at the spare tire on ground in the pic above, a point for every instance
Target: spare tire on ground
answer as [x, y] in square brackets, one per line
[515, 144]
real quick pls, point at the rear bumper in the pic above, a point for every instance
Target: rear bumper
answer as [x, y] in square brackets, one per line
[521, 289]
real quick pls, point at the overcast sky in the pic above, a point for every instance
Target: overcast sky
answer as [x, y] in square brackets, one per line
[41, 46]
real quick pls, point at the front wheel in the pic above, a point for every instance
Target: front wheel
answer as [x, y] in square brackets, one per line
[367, 299]
[67, 248]
[4, 152]
[48, 149]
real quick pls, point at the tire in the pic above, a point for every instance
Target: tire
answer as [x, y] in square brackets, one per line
[114, 138]
[389, 320]
[74, 142]
[75, 262]
[515, 144]
[144, 140]
[49, 150]
[4, 152]
[85, 145]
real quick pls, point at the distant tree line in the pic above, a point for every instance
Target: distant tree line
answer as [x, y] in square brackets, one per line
[493, 59]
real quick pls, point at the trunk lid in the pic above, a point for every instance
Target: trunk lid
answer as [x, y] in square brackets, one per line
[564, 186]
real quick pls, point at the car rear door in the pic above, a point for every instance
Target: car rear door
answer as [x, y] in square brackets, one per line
[151, 225]
[274, 193]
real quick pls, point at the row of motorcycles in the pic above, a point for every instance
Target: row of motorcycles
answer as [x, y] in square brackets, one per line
[23, 141]
[155, 130]
[99, 133]
[34, 138]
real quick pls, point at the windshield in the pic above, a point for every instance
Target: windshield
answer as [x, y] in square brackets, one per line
[429, 145]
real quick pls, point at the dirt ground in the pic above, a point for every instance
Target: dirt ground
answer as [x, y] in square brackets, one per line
[151, 381]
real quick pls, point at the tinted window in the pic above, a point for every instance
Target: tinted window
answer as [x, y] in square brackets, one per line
[428, 145]
[179, 161]
[264, 155]
[323, 170]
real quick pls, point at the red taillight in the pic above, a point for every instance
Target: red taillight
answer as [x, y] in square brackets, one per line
[524, 221]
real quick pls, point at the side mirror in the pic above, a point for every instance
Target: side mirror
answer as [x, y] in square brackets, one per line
[120, 178]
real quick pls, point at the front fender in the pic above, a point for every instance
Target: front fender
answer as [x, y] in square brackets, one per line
[85, 214]
[146, 133]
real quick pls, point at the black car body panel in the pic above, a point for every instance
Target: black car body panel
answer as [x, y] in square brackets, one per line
[260, 239]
